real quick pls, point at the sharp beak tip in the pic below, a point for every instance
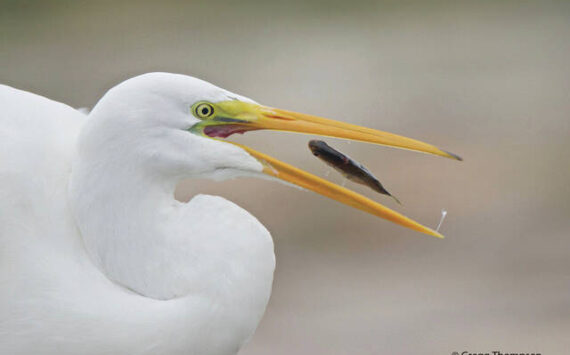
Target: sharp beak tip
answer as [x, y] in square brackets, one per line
[429, 231]
[437, 235]
[453, 156]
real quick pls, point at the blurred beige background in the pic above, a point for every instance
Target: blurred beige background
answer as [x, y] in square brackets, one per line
[488, 80]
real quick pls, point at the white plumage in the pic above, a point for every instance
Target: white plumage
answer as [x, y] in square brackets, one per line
[96, 255]
[162, 277]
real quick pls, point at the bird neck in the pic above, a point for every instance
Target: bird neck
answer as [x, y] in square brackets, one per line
[143, 239]
[124, 217]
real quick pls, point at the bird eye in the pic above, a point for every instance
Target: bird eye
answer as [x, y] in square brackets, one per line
[203, 110]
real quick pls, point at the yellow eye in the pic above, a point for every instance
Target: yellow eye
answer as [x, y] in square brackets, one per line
[203, 110]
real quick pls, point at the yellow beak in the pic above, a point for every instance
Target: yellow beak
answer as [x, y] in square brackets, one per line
[237, 117]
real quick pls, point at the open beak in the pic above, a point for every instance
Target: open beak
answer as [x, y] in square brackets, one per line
[238, 117]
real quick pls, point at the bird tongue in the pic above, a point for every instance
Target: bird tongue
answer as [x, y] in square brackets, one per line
[227, 130]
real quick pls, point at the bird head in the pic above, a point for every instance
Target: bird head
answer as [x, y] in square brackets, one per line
[175, 125]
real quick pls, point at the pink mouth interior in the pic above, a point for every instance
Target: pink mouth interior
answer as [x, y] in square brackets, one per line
[226, 130]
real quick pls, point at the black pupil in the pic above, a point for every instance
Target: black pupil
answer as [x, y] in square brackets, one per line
[205, 110]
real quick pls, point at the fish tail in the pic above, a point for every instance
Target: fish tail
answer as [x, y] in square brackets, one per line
[377, 186]
[396, 199]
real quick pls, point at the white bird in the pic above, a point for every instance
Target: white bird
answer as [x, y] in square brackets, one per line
[96, 255]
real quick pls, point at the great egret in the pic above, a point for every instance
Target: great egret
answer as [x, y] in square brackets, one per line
[97, 257]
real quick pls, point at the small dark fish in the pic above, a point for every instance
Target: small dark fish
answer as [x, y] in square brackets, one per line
[348, 167]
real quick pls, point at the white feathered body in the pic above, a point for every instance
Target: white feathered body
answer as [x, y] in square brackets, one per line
[200, 287]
